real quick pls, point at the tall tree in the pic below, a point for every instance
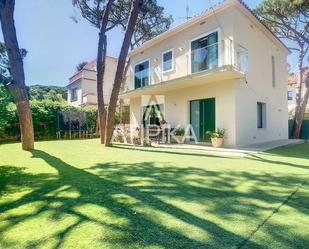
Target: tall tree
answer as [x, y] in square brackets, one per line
[136, 5]
[289, 20]
[17, 84]
[81, 65]
[150, 23]
[97, 13]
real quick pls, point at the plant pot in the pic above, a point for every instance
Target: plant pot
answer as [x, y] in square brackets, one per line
[217, 142]
[179, 139]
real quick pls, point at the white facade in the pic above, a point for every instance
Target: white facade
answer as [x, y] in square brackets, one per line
[83, 84]
[241, 86]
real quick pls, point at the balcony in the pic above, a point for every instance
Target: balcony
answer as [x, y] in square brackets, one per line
[218, 62]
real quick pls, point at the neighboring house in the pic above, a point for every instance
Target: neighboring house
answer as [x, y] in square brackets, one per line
[291, 95]
[221, 69]
[82, 88]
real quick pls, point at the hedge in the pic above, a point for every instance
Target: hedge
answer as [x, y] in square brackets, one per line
[44, 114]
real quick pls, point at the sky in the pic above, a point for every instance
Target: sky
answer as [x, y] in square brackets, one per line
[56, 44]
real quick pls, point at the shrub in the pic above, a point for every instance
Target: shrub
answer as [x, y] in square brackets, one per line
[44, 115]
[218, 133]
[179, 132]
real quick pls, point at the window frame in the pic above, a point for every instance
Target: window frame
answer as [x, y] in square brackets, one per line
[74, 97]
[173, 60]
[140, 62]
[273, 71]
[290, 97]
[218, 30]
[261, 106]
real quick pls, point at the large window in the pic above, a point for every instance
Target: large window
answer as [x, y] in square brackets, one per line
[167, 61]
[74, 94]
[261, 115]
[141, 74]
[204, 53]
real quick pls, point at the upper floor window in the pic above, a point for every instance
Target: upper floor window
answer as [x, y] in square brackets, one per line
[204, 53]
[290, 95]
[73, 94]
[273, 69]
[141, 74]
[167, 61]
[261, 115]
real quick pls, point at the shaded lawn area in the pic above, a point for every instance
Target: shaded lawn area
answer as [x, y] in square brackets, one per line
[79, 194]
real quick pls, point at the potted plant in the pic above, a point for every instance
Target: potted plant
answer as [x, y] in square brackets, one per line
[179, 135]
[217, 137]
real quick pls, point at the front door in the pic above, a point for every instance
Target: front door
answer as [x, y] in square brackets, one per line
[202, 117]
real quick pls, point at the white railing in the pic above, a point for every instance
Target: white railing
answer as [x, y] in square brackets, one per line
[224, 53]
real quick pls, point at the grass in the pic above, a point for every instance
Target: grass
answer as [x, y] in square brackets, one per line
[78, 194]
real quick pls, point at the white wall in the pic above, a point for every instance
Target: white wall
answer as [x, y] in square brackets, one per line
[292, 103]
[181, 44]
[236, 102]
[88, 85]
[177, 110]
[259, 86]
[75, 85]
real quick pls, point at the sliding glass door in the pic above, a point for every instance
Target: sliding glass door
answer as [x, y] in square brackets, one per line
[202, 117]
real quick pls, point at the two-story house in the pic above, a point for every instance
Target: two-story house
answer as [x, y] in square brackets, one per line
[82, 87]
[221, 69]
[292, 91]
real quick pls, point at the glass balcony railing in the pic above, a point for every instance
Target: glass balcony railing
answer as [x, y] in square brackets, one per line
[215, 56]
[167, 65]
[204, 58]
[141, 78]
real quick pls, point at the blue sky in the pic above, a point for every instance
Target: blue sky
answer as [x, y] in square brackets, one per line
[56, 44]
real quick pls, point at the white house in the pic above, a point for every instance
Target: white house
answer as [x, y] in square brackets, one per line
[82, 87]
[292, 91]
[221, 69]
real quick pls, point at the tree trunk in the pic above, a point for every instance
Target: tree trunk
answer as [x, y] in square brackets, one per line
[101, 58]
[302, 111]
[298, 116]
[17, 86]
[126, 68]
[120, 69]
[100, 81]
[97, 126]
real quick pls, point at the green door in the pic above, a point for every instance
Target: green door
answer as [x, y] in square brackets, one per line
[202, 117]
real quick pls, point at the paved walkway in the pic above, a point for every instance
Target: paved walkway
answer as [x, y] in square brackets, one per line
[238, 152]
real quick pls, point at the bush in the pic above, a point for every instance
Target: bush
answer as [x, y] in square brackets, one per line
[179, 132]
[7, 108]
[218, 133]
[44, 115]
[91, 112]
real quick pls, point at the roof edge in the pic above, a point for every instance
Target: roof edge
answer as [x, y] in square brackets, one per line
[209, 12]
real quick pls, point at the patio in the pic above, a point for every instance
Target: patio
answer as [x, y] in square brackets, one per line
[238, 152]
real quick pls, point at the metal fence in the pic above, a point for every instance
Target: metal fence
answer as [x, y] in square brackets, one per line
[304, 133]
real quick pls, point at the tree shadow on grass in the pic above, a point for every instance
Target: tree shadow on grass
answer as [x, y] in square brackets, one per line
[141, 230]
[13, 179]
[146, 183]
[300, 151]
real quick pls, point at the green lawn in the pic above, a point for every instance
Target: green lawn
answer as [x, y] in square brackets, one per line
[79, 194]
